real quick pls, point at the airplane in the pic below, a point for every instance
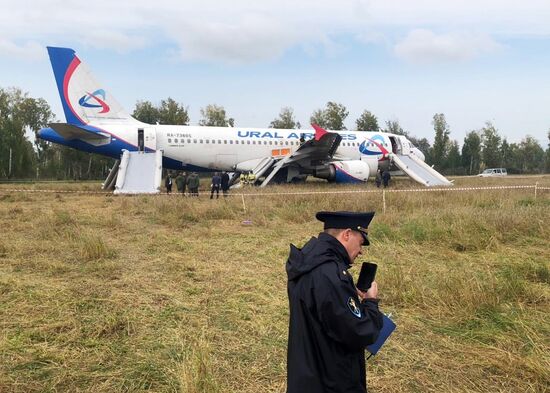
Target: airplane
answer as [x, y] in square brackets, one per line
[97, 123]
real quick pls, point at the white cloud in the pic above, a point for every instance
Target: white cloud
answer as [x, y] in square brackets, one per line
[248, 31]
[30, 50]
[424, 46]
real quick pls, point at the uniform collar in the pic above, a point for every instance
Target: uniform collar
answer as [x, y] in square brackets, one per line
[336, 246]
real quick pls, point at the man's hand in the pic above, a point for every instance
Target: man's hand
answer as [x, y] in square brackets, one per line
[372, 293]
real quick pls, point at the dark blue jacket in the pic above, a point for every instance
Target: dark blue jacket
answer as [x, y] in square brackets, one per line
[329, 327]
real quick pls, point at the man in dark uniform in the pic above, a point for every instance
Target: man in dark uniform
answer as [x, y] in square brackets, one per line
[331, 321]
[386, 177]
[225, 183]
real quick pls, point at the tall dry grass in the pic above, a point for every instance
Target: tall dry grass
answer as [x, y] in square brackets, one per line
[165, 293]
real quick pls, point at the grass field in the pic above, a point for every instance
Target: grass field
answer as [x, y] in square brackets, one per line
[100, 293]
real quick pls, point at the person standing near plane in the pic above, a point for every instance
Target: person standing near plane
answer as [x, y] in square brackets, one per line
[215, 186]
[168, 183]
[180, 183]
[251, 178]
[225, 183]
[331, 321]
[193, 183]
[185, 176]
[386, 177]
[378, 178]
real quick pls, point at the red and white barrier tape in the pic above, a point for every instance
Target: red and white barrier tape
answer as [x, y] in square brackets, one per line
[207, 192]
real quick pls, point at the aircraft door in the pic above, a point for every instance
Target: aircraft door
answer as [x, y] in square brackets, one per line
[150, 138]
[394, 148]
[405, 145]
[141, 140]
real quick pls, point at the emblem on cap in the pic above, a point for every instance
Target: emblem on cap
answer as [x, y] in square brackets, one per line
[353, 307]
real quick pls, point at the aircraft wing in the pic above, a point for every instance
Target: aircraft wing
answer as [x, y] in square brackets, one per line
[316, 150]
[310, 154]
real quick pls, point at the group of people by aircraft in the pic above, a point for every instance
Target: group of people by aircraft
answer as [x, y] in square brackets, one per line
[247, 178]
[184, 181]
[220, 181]
[191, 182]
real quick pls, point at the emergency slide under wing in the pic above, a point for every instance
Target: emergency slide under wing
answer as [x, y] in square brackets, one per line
[311, 153]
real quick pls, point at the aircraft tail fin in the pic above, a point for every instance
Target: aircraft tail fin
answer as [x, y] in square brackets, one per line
[84, 100]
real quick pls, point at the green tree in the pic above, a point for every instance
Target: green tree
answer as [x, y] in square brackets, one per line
[146, 112]
[318, 117]
[393, 127]
[215, 116]
[286, 120]
[423, 145]
[440, 147]
[19, 115]
[454, 160]
[514, 159]
[330, 118]
[504, 153]
[170, 112]
[471, 153]
[490, 152]
[367, 122]
[532, 155]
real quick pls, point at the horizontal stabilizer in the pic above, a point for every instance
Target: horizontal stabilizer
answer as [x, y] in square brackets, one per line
[69, 132]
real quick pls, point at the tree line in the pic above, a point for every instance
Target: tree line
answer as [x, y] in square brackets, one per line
[21, 116]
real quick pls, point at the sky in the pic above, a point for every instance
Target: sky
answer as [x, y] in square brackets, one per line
[405, 60]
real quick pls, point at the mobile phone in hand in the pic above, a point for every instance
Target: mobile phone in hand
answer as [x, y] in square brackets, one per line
[366, 276]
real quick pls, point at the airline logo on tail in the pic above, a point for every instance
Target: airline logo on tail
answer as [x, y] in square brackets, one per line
[98, 101]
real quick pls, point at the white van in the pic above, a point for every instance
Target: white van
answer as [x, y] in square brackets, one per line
[493, 172]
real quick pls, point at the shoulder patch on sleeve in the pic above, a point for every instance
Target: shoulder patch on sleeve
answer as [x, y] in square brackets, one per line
[352, 305]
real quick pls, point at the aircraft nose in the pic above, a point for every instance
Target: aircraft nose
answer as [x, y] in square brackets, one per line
[419, 154]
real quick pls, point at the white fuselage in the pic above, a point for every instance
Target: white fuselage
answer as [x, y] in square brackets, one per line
[226, 148]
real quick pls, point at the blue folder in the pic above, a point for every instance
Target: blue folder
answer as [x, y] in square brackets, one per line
[388, 327]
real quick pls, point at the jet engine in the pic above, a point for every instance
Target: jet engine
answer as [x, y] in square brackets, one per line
[347, 171]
